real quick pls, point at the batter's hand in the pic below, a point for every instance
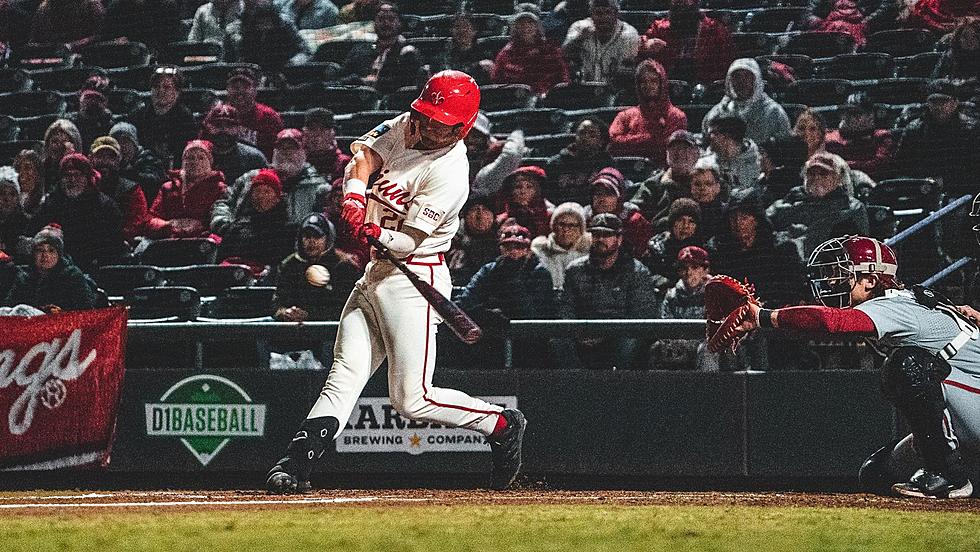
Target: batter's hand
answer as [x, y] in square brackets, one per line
[970, 312]
[352, 211]
[369, 229]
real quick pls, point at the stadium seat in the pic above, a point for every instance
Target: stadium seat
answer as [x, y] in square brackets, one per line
[41, 56]
[901, 42]
[213, 75]
[240, 302]
[401, 98]
[28, 104]
[8, 130]
[635, 169]
[121, 100]
[680, 93]
[772, 20]
[831, 114]
[339, 99]
[881, 221]
[485, 23]
[919, 65]
[363, 121]
[62, 79]
[123, 279]
[14, 80]
[10, 149]
[818, 45]
[538, 161]
[337, 50]
[208, 279]
[711, 93]
[495, 7]
[199, 100]
[311, 73]
[604, 114]
[428, 7]
[576, 96]
[815, 92]
[548, 144]
[491, 45]
[898, 91]
[432, 48]
[276, 98]
[293, 119]
[33, 128]
[133, 78]
[500, 97]
[907, 196]
[191, 53]
[793, 110]
[111, 54]
[695, 115]
[179, 252]
[867, 65]
[640, 20]
[754, 44]
[802, 64]
[344, 142]
[732, 19]
[533, 121]
[164, 304]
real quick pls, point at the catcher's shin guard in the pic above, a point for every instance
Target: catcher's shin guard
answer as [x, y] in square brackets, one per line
[292, 473]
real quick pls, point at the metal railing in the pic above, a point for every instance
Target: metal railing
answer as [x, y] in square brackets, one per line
[931, 219]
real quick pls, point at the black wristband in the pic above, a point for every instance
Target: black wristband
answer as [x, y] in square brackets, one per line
[765, 318]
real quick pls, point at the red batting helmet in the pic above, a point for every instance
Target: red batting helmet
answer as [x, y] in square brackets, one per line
[450, 97]
[836, 264]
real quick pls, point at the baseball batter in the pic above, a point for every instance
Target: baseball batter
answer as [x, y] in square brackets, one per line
[417, 168]
[932, 367]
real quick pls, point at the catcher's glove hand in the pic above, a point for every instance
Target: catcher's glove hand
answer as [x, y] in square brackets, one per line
[726, 307]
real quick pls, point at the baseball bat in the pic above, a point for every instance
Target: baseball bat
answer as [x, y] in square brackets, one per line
[458, 321]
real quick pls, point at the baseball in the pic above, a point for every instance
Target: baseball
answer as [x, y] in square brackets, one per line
[317, 275]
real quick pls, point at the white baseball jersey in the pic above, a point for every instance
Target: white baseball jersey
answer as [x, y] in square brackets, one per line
[424, 189]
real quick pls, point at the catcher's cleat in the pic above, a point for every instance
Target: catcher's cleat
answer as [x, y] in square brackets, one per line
[926, 484]
[506, 450]
[281, 482]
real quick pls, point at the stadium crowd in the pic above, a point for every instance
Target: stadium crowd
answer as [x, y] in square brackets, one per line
[627, 149]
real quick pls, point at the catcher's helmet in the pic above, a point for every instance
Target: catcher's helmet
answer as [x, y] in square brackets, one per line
[450, 97]
[835, 265]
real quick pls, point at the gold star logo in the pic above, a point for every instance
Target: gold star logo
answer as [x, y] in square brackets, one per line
[415, 440]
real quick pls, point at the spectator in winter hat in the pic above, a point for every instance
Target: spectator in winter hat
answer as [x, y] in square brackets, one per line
[91, 220]
[644, 130]
[608, 189]
[260, 123]
[182, 209]
[61, 138]
[524, 202]
[683, 223]
[106, 158]
[475, 243]
[320, 144]
[302, 184]
[53, 283]
[691, 45]
[656, 193]
[859, 142]
[567, 241]
[683, 301]
[223, 127]
[261, 235]
[137, 163]
[528, 58]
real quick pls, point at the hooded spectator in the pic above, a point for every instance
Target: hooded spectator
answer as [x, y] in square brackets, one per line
[182, 209]
[857, 141]
[53, 283]
[93, 117]
[106, 158]
[643, 130]
[260, 123]
[608, 196]
[13, 221]
[390, 62]
[475, 243]
[656, 193]
[218, 21]
[942, 16]
[857, 18]
[314, 282]
[602, 46]
[690, 45]
[568, 240]
[61, 138]
[736, 155]
[491, 159]
[261, 235]
[820, 209]
[222, 127]
[269, 40]
[300, 181]
[320, 144]
[30, 178]
[683, 230]
[72, 22]
[572, 168]
[962, 61]
[524, 202]
[91, 221]
[164, 123]
[608, 283]
[745, 98]
[528, 58]
[138, 163]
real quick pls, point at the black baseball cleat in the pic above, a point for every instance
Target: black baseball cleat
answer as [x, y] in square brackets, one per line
[281, 482]
[927, 484]
[507, 450]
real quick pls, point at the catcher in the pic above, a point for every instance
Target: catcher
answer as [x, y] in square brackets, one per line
[931, 371]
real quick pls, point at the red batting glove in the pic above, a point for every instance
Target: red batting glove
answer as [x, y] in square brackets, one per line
[369, 229]
[352, 212]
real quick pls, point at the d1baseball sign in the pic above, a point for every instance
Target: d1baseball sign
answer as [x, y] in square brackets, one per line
[375, 426]
[205, 412]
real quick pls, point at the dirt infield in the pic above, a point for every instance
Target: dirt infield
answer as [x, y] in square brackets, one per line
[76, 502]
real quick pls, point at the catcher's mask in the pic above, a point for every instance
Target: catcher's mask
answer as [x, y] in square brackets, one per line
[836, 264]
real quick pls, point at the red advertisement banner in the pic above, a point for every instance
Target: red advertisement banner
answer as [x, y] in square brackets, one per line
[60, 382]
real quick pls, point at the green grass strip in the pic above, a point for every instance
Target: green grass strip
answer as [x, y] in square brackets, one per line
[495, 529]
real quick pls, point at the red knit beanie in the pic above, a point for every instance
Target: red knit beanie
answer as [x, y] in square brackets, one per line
[268, 177]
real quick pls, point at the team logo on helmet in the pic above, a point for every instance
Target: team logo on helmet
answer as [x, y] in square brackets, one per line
[437, 97]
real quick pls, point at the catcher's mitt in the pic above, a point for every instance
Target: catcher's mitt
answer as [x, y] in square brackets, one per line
[726, 306]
